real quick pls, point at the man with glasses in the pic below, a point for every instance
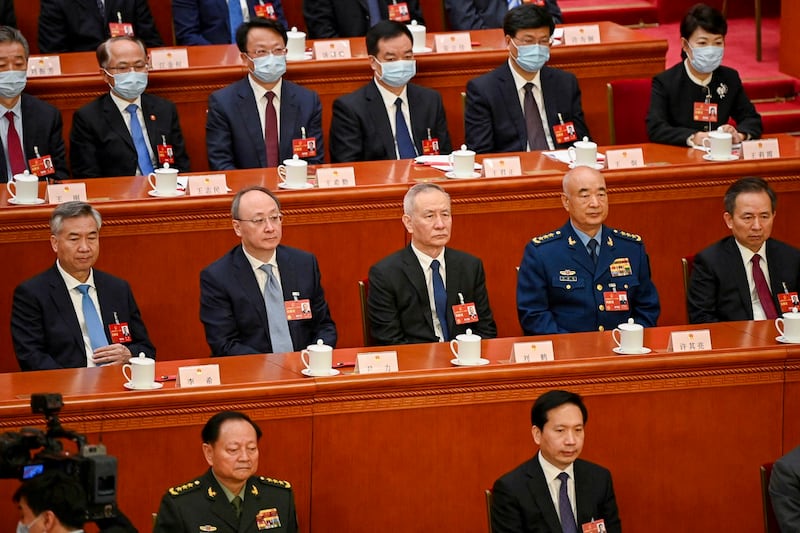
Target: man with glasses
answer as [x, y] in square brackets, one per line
[389, 117]
[252, 299]
[585, 276]
[125, 132]
[262, 120]
[524, 105]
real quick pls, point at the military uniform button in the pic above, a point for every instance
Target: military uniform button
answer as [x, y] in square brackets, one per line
[569, 286]
[599, 287]
[601, 328]
[601, 307]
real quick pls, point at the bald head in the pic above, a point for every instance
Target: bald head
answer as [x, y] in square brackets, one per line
[585, 199]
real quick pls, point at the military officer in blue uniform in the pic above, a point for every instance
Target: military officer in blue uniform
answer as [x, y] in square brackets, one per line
[585, 276]
[229, 498]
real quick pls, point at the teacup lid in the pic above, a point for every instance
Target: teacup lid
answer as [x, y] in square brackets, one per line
[294, 32]
[468, 336]
[320, 346]
[463, 150]
[630, 324]
[142, 360]
[415, 26]
[25, 176]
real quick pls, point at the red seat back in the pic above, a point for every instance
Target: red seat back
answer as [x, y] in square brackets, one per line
[628, 103]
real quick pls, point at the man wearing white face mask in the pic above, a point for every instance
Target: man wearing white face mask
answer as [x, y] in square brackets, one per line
[699, 95]
[262, 120]
[125, 132]
[389, 118]
[27, 125]
[524, 105]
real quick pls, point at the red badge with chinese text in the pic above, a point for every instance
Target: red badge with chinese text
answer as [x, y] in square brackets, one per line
[120, 29]
[465, 313]
[265, 11]
[788, 300]
[42, 166]
[430, 146]
[120, 333]
[565, 133]
[166, 154]
[595, 526]
[616, 300]
[304, 147]
[704, 112]
[539, 3]
[399, 12]
[298, 309]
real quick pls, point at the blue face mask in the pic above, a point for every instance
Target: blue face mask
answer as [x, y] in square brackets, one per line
[397, 73]
[130, 85]
[23, 528]
[12, 83]
[269, 68]
[706, 59]
[532, 57]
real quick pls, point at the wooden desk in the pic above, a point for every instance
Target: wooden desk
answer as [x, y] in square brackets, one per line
[378, 451]
[625, 53]
[160, 245]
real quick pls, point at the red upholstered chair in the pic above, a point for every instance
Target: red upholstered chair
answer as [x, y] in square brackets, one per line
[770, 522]
[363, 293]
[628, 103]
[687, 263]
[488, 493]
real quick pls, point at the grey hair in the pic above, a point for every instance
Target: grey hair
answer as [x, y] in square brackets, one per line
[411, 195]
[72, 210]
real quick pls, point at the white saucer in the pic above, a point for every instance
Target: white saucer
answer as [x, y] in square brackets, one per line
[424, 50]
[784, 340]
[155, 385]
[37, 201]
[644, 350]
[307, 372]
[709, 157]
[284, 185]
[479, 362]
[159, 195]
[452, 176]
[597, 166]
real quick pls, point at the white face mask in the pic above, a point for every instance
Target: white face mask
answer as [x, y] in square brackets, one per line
[23, 528]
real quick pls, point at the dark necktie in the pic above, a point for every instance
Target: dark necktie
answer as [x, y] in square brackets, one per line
[533, 121]
[271, 132]
[593, 250]
[142, 155]
[440, 298]
[234, 16]
[568, 524]
[15, 156]
[279, 335]
[374, 11]
[101, 7]
[236, 503]
[764, 296]
[405, 147]
[94, 327]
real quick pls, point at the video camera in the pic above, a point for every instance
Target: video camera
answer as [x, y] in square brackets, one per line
[31, 452]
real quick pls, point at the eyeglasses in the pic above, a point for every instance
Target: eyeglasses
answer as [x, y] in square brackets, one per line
[274, 52]
[262, 221]
[138, 67]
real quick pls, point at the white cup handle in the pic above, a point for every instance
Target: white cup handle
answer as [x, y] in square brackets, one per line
[779, 325]
[150, 178]
[127, 367]
[614, 333]
[8, 187]
[453, 344]
[706, 146]
[572, 154]
[304, 357]
[282, 175]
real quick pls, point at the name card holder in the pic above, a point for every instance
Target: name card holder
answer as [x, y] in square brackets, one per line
[39, 66]
[532, 352]
[627, 158]
[761, 149]
[66, 192]
[207, 185]
[575, 35]
[376, 363]
[330, 178]
[500, 167]
[689, 341]
[198, 376]
[452, 42]
[335, 49]
[169, 58]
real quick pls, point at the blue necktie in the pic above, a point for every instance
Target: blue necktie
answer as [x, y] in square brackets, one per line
[568, 524]
[593, 250]
[235, 17]
[512, 4]
[145, 164]
[374, 12]
[276, 314]
[440, 298]
[405, 148]
[94, 327]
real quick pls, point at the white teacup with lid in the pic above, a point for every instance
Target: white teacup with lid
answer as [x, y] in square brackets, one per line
[418, 32]
[718, 144]
[583, 153]
[164, 181]
[629, 337]
[788, 326]
[140, 372]
[463, 162]
[293, 172]
[295, 45]
[467, 348]
[25, 188]
[318, 359]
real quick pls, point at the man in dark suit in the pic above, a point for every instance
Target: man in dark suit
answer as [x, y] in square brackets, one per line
[242, 129]
[725, 278]
[555, 491]
[80, 25]
[424, 292]
[229, 497]
[105, 141]
[366, 123]
[36, 122]
[327, 19]
[55, 321]
[209, 21]
[7, 15]
[484, 14]
[784, 491]
[251, 299]
[523, 105]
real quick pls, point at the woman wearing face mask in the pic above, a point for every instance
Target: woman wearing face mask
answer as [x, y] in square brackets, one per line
[699, 95]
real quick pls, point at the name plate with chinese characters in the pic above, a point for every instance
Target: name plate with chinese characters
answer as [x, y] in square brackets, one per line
[328, 178]
[376, 363]
[761, 149]
[338, 49]
[66, 192]
[39, 66]
[198, 376]
[627, 158]
[574, 35]
[689, 341]
[452, 42]
[169, 58]
[500, 167]
[532, 352]
[207, 185]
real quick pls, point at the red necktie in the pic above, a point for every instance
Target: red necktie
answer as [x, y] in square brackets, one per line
[764, 296]
[15, 155]
[271, 132]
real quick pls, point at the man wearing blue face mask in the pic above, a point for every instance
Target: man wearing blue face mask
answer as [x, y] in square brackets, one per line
[125, 132]
[524, 105]
[699, 95]
[389, 118]
[30, 129]
[262, 120]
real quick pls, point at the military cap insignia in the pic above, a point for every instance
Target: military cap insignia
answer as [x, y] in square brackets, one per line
[629, 236]
[177, 490]
[546, 237]
[208, 528]
[275, 482]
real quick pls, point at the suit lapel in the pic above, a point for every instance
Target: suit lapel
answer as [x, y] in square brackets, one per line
[776, 279]
[109, 304]
[454, 274]
[287, 127]
[220, 505]
[248, 114]
[247, 280]
[116, 123]
[740, 274]
[537, 485]
[63, 305]
[30, 128]
[548, 94]
[152, 122]
[420, 115]
[508, 90]
[288, 282]
[416, 277]
[579, 253]
[584, 492]
[376, 109]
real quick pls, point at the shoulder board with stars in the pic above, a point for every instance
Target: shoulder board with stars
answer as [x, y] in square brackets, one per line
[275, 482]
[185, 488]
[628, 236]
[546, 237]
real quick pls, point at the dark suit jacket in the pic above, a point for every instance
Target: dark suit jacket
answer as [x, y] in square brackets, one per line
[521, 501]
[188, 507]
[493, 117]
[7, 15]
[360, 128]
[718, 289]
[347, 18]
[670, 118]
[398, 304]
[207, 22]
[45, 329]
[234, 138]
[77, 25]
[784, 491]
[483, 14]
[232, 307]
[41, 128]
[102, 146]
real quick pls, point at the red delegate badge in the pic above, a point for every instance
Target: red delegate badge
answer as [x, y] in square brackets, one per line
[304, 147]
[120, 333]
[298, 309]
[265, 11]
[399, 12]
[616, 301]
[704, 112]
[565, 133]
[430, 146]
[42, 166]
[465, 313]
[120, 29]
[788, 300]
[166, 154]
